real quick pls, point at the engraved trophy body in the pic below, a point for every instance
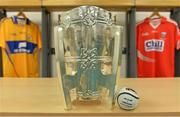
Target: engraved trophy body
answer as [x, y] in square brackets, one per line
[87, 53]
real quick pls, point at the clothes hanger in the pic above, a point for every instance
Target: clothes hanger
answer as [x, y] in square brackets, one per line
[21, 15]
[153, 17]
[155, 13]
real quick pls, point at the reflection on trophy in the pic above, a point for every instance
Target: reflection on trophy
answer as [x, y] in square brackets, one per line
[87, 53]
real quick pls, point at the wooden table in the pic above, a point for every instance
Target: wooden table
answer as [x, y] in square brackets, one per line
[43, 96]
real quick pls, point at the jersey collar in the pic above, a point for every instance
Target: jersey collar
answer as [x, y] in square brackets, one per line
[163, 19]
[15, 20]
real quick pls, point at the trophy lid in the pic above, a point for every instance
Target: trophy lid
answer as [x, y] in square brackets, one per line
[89, 15]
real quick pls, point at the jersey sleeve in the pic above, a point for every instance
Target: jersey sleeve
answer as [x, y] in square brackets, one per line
[39, 39]
[177, 38]
[137, 36]
[2, 35]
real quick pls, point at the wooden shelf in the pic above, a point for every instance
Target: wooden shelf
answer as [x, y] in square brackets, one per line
[157, 3]
[101, 3]
[20, 3]
[44, 97]
[110, 4]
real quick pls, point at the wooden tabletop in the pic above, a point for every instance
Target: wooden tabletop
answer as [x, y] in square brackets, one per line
[43, 96]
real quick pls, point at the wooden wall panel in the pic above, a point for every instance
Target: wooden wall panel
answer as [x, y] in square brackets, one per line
[103, 3]
[157, 3]
[20, 3]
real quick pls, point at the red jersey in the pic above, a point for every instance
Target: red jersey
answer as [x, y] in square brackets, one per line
[157, 40]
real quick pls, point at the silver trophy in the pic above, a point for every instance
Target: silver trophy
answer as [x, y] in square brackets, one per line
[87, 53]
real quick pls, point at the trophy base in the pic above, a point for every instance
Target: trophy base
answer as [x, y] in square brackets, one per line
[86, 102]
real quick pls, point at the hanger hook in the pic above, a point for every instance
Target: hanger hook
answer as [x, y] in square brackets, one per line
[22, 9]
[155, 9]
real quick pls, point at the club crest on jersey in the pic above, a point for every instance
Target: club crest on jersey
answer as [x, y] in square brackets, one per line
[28, 37]
[145, 34]
[21, 47]
[154, 45]
[163, 35]
[14, 34]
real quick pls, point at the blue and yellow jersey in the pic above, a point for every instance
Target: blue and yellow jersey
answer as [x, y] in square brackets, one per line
[20, 45]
